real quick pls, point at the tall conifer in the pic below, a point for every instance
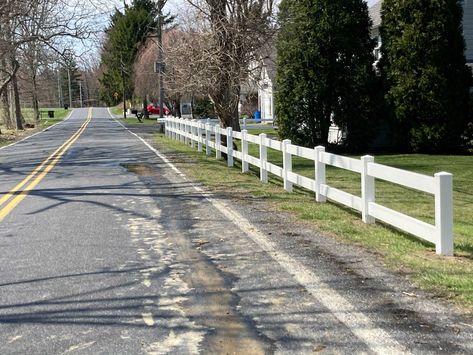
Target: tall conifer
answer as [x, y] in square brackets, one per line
[126, 33]
[325, 71]
[423, 63]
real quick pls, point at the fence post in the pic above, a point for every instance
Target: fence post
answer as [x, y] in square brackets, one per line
[182, 130]
[207, 139]
[263, 158]
[218, 143]
[244, 151]
[192, 124]
[287, 165]
[174, 134]
[319, 174]
[186, 132]
[229, 146]
[244, 123]
[176, 129]
[199, 136]
[444, 213]
[367, 189]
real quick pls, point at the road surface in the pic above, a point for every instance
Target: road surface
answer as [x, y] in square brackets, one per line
[106, 248]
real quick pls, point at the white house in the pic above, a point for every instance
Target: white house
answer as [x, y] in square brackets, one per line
[257, 92]
[266, 86]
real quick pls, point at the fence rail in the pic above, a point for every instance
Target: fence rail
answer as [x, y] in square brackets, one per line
[440, 185]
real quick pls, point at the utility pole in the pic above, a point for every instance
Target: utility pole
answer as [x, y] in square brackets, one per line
[80, 93]
[123, 71]
[70, 89]
[161, 4]
[123, 84]
[59, 88]
[12, 104]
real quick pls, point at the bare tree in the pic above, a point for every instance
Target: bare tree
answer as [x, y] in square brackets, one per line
[145, 79]
[234, 31]
[180, 78]
[186, 67]
[29, 26]
[10, 11]
[90, 70]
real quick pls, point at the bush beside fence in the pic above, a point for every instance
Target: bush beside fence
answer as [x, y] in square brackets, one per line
[202, 134]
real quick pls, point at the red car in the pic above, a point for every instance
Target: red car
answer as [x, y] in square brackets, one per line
[155, 109]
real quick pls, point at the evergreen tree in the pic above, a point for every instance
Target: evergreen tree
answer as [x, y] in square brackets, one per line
[126, 33]
[325, 71]
[424, 67]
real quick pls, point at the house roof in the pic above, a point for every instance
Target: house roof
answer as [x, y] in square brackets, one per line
[375, 13]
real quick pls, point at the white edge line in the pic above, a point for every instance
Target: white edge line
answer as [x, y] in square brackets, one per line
[377, 339]
[44, 130]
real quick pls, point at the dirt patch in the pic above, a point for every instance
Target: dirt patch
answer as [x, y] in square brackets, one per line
[141, 169]
[11, 136]
[214, 303]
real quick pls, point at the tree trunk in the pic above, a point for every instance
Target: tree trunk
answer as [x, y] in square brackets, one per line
[226, 105]
[35, 96]
[145, 107]
[227, 111]
[35, 105]
[8, 76]
[16, 98]
[178, 108]
[7, 120]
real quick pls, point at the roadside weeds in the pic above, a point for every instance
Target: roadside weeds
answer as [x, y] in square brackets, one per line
[11, 136]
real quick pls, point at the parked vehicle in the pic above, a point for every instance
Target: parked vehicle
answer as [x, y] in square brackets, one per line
[154, 109]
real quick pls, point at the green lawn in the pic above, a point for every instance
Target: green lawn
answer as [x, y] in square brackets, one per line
[132, 120]
[59, 115]
[269, 130]
[451, 277]
[117, 110]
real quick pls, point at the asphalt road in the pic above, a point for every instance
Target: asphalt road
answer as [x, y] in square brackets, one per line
[106, 248]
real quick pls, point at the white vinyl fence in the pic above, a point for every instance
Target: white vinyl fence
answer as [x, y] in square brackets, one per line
[440, 185]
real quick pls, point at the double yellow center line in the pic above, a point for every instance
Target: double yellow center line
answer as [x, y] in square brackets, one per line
[12, 198]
